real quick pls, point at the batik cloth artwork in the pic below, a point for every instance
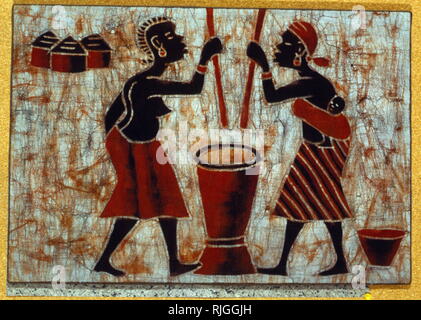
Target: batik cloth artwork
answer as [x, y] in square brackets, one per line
[208, 145]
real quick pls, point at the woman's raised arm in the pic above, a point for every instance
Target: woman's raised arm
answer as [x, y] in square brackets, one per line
[162, 87]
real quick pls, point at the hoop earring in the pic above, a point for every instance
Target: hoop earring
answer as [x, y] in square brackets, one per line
[297, 60]
[162, 52]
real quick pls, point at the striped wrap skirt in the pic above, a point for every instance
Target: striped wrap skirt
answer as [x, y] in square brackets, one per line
[312, 189]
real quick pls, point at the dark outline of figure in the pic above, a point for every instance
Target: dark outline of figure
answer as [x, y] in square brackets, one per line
[316, 95]
[132, 118]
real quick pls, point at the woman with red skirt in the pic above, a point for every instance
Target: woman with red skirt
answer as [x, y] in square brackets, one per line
[145, 188]
[312, 189]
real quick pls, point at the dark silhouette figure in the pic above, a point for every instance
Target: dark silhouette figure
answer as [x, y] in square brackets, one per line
[312, 190]
[145, 188]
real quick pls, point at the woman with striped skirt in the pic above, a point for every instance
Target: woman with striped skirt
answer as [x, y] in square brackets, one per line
[312, 189]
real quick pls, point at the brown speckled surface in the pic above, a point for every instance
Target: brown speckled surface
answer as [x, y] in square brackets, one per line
[378, 184]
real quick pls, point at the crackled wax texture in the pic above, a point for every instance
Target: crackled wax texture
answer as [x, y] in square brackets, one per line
[61, 176]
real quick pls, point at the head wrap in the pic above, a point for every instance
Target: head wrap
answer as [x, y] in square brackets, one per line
[308, 36]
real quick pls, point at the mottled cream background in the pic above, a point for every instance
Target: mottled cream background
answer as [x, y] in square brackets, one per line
[61, 176]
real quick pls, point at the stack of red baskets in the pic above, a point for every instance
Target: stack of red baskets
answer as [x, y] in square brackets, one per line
[70, 55]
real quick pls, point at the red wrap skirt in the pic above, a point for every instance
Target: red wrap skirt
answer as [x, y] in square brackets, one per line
[312, 189]
[145, 188]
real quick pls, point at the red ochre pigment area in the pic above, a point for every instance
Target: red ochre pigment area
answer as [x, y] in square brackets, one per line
[380, 245]
[227, 197]
[232, 260]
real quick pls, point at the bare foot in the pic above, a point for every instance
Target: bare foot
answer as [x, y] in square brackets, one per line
[338, 268]
[105, 266]
[279, 271]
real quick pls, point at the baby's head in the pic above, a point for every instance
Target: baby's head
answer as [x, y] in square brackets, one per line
[336, 105]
